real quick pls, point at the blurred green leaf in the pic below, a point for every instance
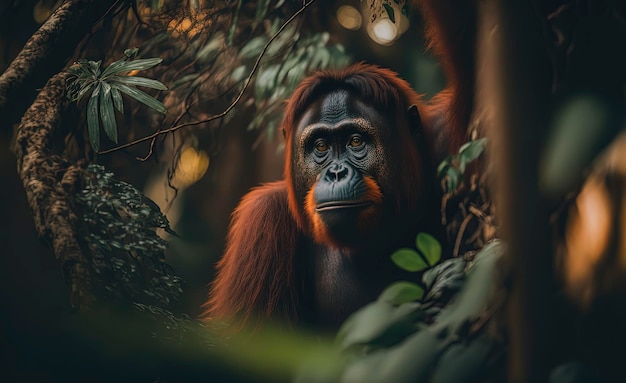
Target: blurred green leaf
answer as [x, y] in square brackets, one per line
[233, 26]
[430, 247]
[409, 260]
[402, 292]
[261, 10]
[93, 125]
[379, 323]
[410, 361]
[472, 150]
[452, 179]
[239, 73]
[253, 48]
[447, 276]
[265, 81]
[476, 292]
[184, 79]
[211, 49]
[582, 128]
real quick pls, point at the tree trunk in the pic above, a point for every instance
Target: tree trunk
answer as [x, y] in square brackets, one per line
[515, 78]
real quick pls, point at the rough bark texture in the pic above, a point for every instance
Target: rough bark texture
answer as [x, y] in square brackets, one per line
[45, 54]
[50, 182]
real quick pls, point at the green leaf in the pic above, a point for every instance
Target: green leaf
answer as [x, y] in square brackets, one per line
[239, 73]
[321, 59]
[446, 277]
[184, 79]
[409, 260]
[211, 49]
[253, 48]
[107, 114]
[131, 53]
[141, 96]
[233, 26]
[126, 66]
[430, 247]
[390, 12]
[86, 87]
[93, 125]
[117, 100]
[402, 292]
[443, 166]
[452, 179]
[265, 81]
[94, 67]
[379, 323]
[471, 150]
[261, 10]
[140, 81]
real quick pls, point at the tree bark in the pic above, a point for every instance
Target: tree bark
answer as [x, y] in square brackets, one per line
[46, 53]
[514, 80]
[51, 182]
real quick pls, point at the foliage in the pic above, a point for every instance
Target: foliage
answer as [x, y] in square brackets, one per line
[275, 82]
[121, 243]
[210, 49]
[437, 340]
[428, 254]
[106, 87]
[451, 169]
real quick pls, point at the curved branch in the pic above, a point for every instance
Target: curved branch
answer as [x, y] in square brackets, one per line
[46, 52]
[230, 107]
[50, 182]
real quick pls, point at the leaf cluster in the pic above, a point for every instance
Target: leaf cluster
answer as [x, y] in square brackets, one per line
[105, 88]
[427, 255]
[402, 342]
[276, 80]
[450, 171]
[121, 244]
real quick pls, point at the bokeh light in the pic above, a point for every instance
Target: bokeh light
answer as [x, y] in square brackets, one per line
[349, 17]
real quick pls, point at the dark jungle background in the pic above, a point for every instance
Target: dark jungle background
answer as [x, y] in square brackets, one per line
[550, 99]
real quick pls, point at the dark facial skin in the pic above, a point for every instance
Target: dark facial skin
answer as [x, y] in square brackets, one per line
[339, 141]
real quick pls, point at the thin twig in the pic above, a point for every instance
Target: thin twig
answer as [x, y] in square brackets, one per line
[305, 5]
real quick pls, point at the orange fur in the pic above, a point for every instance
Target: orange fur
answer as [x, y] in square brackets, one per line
[372, 213]
[450, 27]
[255, 275]
[256, 278]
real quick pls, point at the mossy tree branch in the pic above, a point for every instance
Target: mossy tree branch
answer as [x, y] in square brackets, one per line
[50, 182]
[46, 53]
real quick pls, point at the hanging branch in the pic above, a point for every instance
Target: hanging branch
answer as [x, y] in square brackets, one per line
[230, 107]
